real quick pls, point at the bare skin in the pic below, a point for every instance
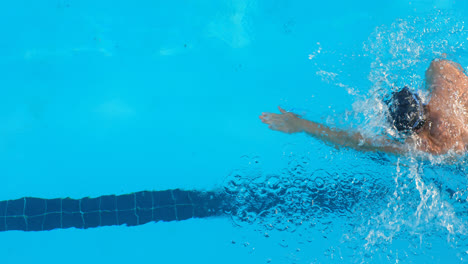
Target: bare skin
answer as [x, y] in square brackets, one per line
[447, 109]
[446, 127]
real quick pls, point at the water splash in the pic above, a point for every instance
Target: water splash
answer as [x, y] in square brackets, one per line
[400, 54]
[371, 214]
[353, 207]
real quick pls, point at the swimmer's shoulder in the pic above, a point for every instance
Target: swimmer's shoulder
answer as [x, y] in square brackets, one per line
[445, 75]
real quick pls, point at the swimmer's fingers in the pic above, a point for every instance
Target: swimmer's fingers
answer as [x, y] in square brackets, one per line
[282, 110]
[268, 118]
[286, 112]
[264, 117]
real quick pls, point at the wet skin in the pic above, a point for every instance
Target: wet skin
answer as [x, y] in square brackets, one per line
[446, 127]
[446, 111]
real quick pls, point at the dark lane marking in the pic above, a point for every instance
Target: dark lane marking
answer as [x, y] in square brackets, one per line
[37, 214]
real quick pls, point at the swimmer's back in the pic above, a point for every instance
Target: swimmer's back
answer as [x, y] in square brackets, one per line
[447, 108]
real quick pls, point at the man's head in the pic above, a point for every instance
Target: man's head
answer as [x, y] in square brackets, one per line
[406, 111]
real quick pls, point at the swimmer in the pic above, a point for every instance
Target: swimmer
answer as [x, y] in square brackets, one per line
[437, 127]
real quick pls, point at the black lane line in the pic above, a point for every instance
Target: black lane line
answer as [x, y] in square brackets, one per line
[38, 214]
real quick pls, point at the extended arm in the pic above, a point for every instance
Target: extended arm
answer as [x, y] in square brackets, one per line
[288, 122]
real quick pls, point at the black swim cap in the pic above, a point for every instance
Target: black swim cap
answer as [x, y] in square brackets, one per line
[406, 111]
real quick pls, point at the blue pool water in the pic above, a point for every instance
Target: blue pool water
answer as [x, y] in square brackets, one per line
[114, 98]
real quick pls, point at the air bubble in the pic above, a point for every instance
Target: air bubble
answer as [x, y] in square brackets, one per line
[283, 243]
[319, 183]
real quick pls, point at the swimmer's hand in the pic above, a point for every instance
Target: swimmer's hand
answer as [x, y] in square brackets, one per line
[286, 122]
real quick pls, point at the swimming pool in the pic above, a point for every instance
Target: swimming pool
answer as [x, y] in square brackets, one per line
[113, 99]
